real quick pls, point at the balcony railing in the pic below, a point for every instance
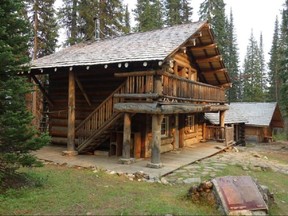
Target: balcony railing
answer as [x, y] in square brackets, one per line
[142, 86]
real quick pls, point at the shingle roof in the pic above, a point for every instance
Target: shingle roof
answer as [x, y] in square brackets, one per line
[153, 45]
[232, 116]
[257, 114]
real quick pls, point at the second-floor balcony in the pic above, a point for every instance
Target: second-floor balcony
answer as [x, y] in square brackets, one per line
[165, 87]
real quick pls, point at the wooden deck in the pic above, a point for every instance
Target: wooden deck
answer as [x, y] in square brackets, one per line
[171, 160]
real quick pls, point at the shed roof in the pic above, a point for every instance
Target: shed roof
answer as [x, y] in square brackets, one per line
[158, 45]
[252, 113]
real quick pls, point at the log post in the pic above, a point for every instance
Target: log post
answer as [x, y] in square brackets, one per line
[126, 158]
[71, 115]
[176, 145]
[222, 124]
[156, 142]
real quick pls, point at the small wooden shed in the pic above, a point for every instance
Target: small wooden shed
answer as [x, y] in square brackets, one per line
[136, 95]
[253, 120]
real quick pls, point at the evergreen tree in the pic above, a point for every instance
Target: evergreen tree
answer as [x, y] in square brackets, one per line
[232, 61]
[110, 15]
[43, 19]
[177, 12]
[252, 75]
[68, 16]
[273, 65]
[284, 60]
[262, 65]
[214, 12]
[127, 25]
[148, 15]
[17, 137]
[186, 11]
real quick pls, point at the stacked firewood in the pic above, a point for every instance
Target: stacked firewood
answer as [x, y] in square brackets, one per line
[202, 193]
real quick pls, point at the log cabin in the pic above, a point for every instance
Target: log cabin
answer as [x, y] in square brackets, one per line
[137, 95]
[252, 121]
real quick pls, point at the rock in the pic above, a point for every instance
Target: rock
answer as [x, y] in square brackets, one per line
[164, 181]
[192, 180]
[235, 149]
[256, 155]
[112, 172]
[245, 168]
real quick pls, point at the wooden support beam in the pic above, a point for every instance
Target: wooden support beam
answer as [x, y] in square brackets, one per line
[223, 70]
[222, 124]
[156, 142]
[138, 73]
[157, 108]
[216, 58]
[82, 89]
[210, 46]
[176, 143]
[42, 89]
[71, 112]
[138, 96]
[126, 157]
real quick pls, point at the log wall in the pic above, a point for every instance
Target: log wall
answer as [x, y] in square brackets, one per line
[97, 86]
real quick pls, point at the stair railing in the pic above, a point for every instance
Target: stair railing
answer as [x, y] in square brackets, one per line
[103, 113]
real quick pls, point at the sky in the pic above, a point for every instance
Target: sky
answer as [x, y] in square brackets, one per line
[258, 15]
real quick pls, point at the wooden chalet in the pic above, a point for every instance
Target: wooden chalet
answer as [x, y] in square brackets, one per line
[137, 95]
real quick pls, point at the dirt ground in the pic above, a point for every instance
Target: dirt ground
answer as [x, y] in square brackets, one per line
[259, 156]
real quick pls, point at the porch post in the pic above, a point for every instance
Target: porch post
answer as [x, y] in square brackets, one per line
[222, 124]
[176, 146]
[71, 115]
[126, 158]
[156, 142]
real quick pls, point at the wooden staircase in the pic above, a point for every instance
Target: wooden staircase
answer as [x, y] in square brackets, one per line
[97, 127]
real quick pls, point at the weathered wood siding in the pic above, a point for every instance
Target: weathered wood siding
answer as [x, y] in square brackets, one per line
[97, 87]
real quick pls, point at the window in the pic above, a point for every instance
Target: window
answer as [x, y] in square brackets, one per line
[165, 127]
[190, 124]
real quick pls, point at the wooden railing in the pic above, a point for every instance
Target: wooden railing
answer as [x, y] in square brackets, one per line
[184, 89]
[103, 113]
[215, 133]
[141, 85]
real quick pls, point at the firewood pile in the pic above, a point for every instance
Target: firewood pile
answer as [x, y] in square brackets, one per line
[202, 193]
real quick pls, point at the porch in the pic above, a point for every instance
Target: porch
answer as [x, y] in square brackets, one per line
[171, 160]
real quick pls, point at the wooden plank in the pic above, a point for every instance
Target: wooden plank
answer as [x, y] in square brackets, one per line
[209, 46]
[136, 73]
[137, 145]
[216, 58]
[82, 90]
[42, 89]
[138, 96]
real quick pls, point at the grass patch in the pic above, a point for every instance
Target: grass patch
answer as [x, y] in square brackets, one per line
[72, 191]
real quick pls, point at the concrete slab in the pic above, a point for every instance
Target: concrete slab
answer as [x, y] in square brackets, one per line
[170, 160]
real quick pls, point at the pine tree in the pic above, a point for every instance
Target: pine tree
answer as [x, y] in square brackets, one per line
[262, 66]
[43, 19]
[284, 60]
[214, 12]
[252, 75]
[232, 61]
[177, 12]
[109, 14]
[17, 136]
[148, 15]
[273, 65]
[68, 16]
[127, 25]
